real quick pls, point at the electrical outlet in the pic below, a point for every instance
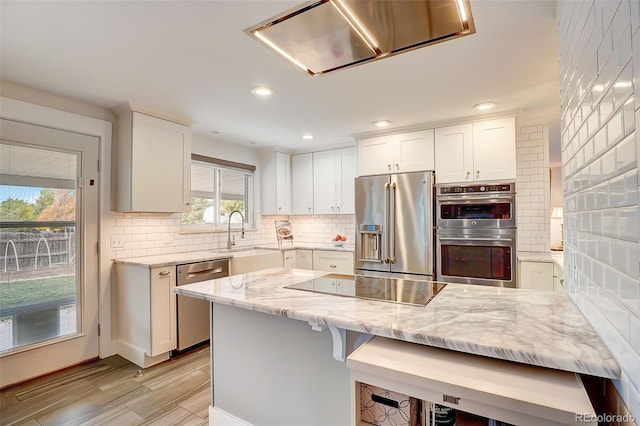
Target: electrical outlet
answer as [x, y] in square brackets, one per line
[116, 241]
[167, 238]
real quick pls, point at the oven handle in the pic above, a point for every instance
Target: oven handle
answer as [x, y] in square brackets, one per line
[497, 238]
[445, 199]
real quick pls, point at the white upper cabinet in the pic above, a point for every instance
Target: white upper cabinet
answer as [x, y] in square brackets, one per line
[403, 152]
[275, 183]
[413, 152]
[454, 153]
[152, 164]
[375, 155]
[302, 183]
[494, 149]
[485, 150]
[333, 181]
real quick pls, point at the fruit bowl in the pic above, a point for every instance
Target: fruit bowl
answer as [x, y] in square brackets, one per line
[339, 240]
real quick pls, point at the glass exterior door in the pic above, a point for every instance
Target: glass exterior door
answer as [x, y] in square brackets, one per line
[48, 268]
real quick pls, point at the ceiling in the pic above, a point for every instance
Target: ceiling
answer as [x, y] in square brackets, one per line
[192, 59]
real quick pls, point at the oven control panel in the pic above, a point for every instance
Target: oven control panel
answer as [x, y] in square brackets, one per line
[474, 189]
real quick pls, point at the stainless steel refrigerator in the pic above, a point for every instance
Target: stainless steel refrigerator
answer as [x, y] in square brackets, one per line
[394, 225]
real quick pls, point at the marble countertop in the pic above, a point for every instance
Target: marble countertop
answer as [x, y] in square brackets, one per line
[215, 254]
[308, 246]
[527, 326]
[173, 258]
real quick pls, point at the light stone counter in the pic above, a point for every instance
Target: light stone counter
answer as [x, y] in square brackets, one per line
[537, 328]
[556, 257]
[173, 258]
[215, 254]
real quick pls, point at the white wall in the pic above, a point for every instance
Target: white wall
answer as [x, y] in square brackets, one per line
[599, 47]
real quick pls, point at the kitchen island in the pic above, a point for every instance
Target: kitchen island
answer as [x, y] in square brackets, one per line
[268, 369]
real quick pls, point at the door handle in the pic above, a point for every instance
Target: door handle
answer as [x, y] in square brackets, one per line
[392, 221]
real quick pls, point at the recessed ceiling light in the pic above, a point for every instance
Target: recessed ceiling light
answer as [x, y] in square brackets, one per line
[307, 137]
[485, 105]
[262, 91]
[382, 123]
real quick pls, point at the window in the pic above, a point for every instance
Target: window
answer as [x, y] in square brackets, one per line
[218, 187]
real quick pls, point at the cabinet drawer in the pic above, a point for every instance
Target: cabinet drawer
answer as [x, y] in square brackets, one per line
[333, 261]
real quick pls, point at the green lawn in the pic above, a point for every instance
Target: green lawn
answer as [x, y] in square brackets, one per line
[39, 290]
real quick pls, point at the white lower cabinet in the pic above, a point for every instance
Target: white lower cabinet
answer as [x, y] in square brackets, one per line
[319, 260]
[465, 389]
[536, 275]
[333, 261]
[300, 259]
[145, 312]
[304, 259]
[558, 278]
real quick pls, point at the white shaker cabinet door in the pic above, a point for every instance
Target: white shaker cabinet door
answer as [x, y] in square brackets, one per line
[275, 182]
[536, 275]
[345, 166]
[283, 183]
[302, 183]
[375, 155]
[413, 152]
[324, 182]
[454, 153]
[163, 310]
[153, 164]
[494, 149]
[304, 259]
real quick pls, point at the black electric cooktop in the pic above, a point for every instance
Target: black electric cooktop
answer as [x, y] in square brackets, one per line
[410, 292]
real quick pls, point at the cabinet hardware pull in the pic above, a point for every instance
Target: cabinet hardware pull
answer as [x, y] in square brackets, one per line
[338, 208]
[164, 273]
[389, 166]
[397, 166]
[332, 266]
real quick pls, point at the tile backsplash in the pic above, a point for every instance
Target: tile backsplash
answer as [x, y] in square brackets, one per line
[599, 48]
[533, 188]
[146, 234]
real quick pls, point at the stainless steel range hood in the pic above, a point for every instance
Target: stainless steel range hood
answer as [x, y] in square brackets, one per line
[328, 35]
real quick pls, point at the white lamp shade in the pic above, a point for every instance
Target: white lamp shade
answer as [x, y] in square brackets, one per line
[556, 213]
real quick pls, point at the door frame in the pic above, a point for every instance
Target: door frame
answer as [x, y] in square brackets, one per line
[41, 357]
[30, 113]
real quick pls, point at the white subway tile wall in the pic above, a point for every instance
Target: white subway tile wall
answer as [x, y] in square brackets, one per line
[599, 48]
[146, 234]
[533, 188]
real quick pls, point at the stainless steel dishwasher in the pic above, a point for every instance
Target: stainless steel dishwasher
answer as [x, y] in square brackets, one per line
[193, 314]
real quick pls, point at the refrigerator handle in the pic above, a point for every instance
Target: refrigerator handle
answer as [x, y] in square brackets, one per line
[392, 226]
[385, 235]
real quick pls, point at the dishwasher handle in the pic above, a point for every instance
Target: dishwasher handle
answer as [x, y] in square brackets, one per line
[202, 271]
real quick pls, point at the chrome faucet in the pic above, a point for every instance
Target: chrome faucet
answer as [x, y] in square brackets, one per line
[231, 243]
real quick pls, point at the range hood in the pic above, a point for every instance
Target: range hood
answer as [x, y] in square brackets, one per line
[328, 35]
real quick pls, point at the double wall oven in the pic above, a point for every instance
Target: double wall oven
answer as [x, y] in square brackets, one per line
[476, 233]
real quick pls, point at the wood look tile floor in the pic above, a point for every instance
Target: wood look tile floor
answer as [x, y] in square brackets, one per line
[111, 392]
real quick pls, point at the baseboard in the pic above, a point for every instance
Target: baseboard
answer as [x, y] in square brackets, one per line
[218, 417]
